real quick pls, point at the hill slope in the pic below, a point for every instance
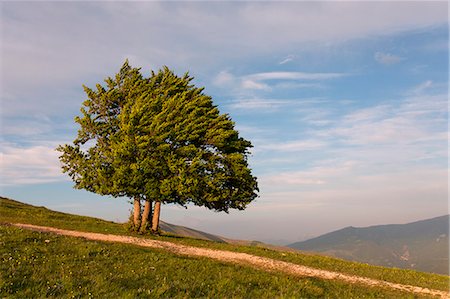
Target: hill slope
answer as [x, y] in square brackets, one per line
[189, 232]
[36, 264]
[421, 245]
[267, 264]
[12, 207]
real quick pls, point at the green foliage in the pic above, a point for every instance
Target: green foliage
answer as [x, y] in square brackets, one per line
[89, 160]
[13, 211]
[39, 265]
[132, 228]
[159, 138]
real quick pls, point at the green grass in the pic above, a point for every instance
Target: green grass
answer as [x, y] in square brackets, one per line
[17, 212]
[12, 211]
[40, 265]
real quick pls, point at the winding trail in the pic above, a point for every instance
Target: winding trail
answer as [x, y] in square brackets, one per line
[263, 263]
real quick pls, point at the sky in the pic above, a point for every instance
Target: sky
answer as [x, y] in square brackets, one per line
[345, 103]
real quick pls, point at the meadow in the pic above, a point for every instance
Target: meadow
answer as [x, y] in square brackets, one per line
[41, 265]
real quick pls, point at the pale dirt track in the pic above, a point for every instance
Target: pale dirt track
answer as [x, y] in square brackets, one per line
[263, 263]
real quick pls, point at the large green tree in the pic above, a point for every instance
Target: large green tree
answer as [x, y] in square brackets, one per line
[158, 139]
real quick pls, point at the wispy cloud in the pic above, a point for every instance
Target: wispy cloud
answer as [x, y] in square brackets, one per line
[415, 118]
[398, 145]
[254, 84]
[368, 114]
[387, 58]
[293, 76]
[317, 175]
[267, 81]
[316, 115]
[436, 46]
[224, 78]
[274, 104]
[385, 155]
[287, 59]
[268, 105]
[294, 179]
[264, 81]
[297, 85]
[294, 146]
[48, 44]
[29, 165]
[422, 87]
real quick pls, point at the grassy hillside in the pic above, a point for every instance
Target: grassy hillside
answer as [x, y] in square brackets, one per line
[35, 264]
[421, 245]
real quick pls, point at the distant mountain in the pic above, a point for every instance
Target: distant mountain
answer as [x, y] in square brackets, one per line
[189, 232]
[421, 245]
[196, 234]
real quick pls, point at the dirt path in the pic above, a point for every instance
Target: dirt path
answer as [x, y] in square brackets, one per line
[236, 257]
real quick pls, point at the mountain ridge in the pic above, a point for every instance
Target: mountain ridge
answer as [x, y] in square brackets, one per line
[421, 245]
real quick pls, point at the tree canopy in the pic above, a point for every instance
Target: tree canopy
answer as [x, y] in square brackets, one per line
[159, 139]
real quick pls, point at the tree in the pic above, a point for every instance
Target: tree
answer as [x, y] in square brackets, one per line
[158, 139]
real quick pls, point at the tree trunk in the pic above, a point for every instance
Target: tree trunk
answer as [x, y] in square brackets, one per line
[155, 220]
[137, 212]
[146, 215]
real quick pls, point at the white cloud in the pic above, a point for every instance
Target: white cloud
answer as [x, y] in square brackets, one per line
[419, 89]
[368, 114]
[66, 47]
[254, 84]
[287, 59]
[376, 198]
[315, 116]
[436, 46]
[259, 104]
[293, 146]
[294, 179]
[354, 186]
[273, 104]
[296, 85]
[29, 165]
[420, 114]
[388, 161]
[387, 58]
[25, 128]
[224, 79]
[70, 44]
[292, 76]
[265, 81]
[49, 49]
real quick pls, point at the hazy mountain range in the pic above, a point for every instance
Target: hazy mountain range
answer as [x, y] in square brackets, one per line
[189, 232]
[193, 233]
[421, 245]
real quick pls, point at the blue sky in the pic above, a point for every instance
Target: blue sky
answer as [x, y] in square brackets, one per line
[346, 103]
